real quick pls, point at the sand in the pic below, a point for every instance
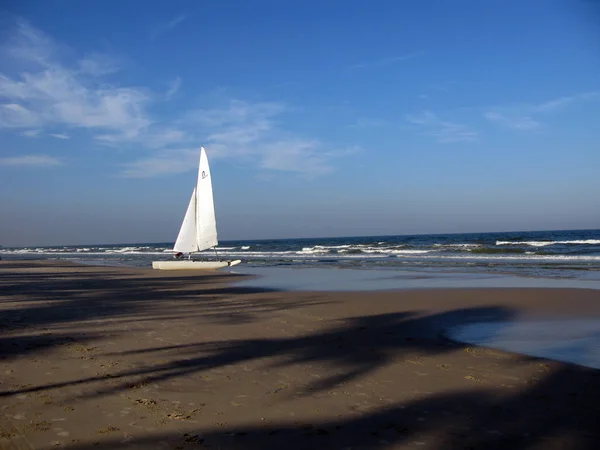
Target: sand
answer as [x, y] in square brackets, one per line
[118, 358]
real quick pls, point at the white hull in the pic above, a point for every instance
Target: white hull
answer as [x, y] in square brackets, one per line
[194, 265]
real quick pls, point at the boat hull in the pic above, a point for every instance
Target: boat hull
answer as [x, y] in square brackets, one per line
[193, 265]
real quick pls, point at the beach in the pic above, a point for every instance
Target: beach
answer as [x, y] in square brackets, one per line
[124, 358]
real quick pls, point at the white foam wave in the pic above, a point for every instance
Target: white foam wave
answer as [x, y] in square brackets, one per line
[415, 255]
[311, 251]
[393, 251]
[126, 250]
[68, 253]
[338, 252]
[333, 247]
[546, 243]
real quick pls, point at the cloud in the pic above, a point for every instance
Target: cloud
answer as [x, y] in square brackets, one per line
[60, 136]
[246, 132]
[14, 115]
[157, 138]
[528, 117]
[169, 25]
[175, 21]
[30, 160]
[386, 61]
[369, 122]
[51, 93]
[98, 65]
[30, 44]
[443, 131]
[302, 156]
[174, 87]
[31, 133]
[562, 102]
[525, 123]
[164, 163]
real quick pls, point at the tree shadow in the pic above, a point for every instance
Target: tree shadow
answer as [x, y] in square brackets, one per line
[64, 301]
[17, 346]
[355, 348]
[561, 409]
[541, 417]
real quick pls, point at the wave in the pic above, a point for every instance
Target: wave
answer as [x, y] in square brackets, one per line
[433, 250]
[495, 250]
[406, 255]
[546, 243]
[457, 246]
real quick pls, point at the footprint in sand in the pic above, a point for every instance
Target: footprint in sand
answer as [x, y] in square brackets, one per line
[106, 430]
[178, 416]
[472, 378]
[146, 402]
[192, 439]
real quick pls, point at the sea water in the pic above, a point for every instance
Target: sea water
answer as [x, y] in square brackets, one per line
[573, 254]
[574, 340]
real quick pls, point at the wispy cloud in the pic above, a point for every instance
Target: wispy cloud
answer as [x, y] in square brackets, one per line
[442, 130]
[30, 161]
[53, 93]
[175, 21]
[31, 133]
[246, 132]
[562, 102]
[309, 158]
[529, 117]
[369, 122]
[163, 163]
[383, 62]
[98, 64]
[525, 123]
[60, 136]
[169, 25]
[14, 115]
[173, 88]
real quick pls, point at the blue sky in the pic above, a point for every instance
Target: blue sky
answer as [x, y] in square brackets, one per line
[319, 118]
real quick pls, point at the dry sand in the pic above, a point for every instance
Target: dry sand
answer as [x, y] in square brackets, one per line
[115, 358]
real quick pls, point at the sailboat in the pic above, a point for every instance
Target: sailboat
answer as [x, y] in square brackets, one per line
[198, 230]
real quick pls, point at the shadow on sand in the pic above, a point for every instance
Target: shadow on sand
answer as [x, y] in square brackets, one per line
[561, 409]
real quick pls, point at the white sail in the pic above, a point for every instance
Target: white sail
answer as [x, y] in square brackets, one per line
[206, 224]
[199, 228]
[186, 239]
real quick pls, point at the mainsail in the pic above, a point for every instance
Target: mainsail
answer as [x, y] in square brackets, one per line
[199, 228]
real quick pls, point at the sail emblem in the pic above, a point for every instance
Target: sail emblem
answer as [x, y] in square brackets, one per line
[204, 175]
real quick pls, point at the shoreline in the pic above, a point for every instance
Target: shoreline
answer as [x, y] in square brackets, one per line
[363, 278]
[109, 357]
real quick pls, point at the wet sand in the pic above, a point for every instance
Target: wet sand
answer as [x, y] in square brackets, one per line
[117, 358]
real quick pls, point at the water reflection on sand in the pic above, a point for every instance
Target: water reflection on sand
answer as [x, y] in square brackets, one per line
[337, 279]
[569, 340]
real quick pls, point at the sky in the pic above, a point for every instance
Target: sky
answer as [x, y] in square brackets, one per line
[319, 118]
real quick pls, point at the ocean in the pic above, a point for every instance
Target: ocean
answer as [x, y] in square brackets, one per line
[547, 254]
